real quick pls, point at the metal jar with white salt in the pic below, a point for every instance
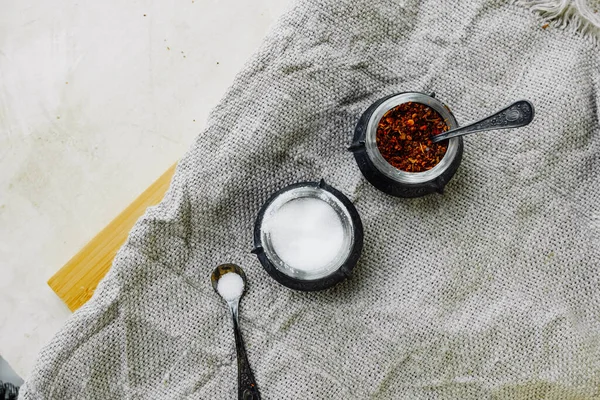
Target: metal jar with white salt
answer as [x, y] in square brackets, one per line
[308, 236]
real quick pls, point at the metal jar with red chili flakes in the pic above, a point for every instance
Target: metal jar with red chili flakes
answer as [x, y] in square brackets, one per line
[393, 149]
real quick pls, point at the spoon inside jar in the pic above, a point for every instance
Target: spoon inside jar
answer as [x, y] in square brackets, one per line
[229, 281]
[514, 116]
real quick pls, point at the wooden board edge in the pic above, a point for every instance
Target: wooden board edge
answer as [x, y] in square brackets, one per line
[76, 281]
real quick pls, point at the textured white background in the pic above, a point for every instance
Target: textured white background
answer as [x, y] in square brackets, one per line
[96, 101]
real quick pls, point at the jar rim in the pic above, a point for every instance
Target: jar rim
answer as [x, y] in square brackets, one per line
[311, 192]
[389, 170]
[351, 220]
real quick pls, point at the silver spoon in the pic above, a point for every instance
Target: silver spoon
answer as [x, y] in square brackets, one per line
[247, 389]
[517, 114]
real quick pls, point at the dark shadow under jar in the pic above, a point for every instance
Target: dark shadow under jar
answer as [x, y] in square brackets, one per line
[389, 179]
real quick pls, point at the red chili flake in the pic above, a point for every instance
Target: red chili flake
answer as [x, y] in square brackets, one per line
[403, 137]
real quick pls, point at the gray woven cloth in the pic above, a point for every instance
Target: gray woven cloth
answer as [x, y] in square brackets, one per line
[489, 291]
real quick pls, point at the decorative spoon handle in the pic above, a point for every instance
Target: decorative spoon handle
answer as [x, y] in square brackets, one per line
[247, 389]
[517, 114]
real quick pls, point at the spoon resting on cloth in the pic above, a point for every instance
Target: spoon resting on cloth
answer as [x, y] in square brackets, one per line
[516, 115]
[229, 281]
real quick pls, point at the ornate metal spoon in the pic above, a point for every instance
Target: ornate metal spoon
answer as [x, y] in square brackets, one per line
[517, 114]
[247, 389]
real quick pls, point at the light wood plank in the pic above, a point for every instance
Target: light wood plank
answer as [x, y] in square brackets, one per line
[76, 281]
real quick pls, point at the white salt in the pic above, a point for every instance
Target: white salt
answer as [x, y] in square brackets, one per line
[306, 233]
[230, 286]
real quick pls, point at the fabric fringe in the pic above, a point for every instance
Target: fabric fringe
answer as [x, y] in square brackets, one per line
[573, 15]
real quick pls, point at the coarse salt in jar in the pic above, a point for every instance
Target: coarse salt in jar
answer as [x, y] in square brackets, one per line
[308, 236]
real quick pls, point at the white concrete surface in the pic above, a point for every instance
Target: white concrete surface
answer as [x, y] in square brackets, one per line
[97, 99]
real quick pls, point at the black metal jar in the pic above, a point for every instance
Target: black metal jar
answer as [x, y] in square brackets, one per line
[386, 177]
[339, 268]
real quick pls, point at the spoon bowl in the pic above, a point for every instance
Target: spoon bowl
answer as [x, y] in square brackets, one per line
[225, 269]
